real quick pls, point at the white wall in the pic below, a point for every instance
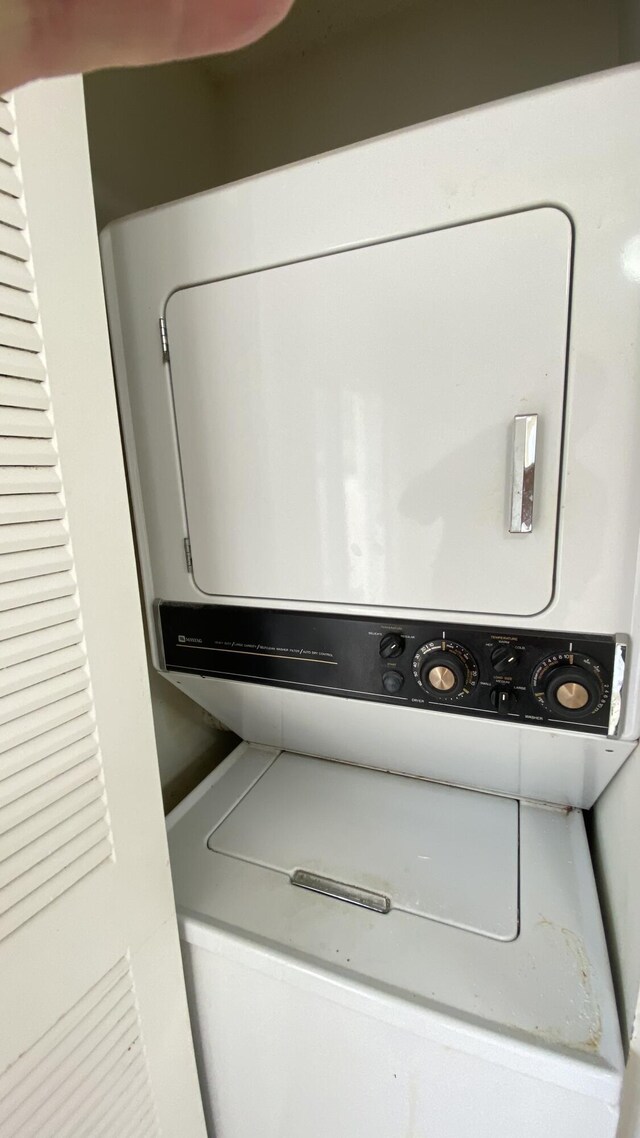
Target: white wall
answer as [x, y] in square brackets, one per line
[189, 743]
[629, 16]
[152, 136]
[420, 61]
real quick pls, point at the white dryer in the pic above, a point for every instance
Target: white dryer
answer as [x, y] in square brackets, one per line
[381, 413]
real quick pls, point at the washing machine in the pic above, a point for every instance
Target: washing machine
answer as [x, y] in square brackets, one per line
[381, 412]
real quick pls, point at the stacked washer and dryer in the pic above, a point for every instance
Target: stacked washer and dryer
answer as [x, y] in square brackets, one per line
[381, 412]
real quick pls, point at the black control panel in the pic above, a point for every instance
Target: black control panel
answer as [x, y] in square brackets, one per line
[540, 678]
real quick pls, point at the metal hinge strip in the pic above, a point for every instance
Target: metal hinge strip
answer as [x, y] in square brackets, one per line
[164, 340]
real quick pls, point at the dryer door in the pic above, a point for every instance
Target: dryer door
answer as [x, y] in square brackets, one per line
[359, 428]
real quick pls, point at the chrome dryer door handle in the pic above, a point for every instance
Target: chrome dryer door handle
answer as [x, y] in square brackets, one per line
[525, 432]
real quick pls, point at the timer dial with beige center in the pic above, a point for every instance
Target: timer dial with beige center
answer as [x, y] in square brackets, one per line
[445, 669]
[570, 685]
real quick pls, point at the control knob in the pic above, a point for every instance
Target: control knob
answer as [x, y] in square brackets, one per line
[445, 669]
[504, 659]
[572, 686]
[391, 645]
[573, 691]
[503, 699]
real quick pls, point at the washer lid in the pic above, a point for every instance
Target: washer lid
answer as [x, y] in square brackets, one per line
[430, 850]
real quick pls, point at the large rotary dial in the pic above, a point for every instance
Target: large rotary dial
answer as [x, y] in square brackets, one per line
[570, 685]
[445, 669]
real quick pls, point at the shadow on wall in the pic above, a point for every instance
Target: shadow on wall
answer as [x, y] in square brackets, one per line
[190, 742]
[152, 136]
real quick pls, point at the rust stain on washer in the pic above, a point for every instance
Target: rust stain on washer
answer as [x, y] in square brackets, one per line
[575, 949]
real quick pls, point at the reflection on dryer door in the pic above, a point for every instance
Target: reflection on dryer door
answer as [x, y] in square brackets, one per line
[360, 428]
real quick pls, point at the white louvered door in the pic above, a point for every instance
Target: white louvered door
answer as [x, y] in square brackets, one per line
[94, 1032]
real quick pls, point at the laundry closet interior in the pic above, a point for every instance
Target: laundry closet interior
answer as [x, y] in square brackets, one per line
[333, 75]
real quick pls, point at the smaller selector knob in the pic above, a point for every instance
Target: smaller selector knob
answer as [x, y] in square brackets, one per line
[503, 699]
[443, 674]
[572, 691]
[392, 645]
[392, 681]
[504, 659]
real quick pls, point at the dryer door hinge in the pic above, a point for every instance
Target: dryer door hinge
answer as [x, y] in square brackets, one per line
[187, 555]
[164, 340]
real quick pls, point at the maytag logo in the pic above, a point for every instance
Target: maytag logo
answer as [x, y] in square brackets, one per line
[189, 640]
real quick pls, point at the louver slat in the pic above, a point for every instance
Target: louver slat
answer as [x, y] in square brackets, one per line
[9, 181]
[119, 1082]
[44, 1074]
[34, 563]
[27, 452]
[41, 643]
[106, 1027]
[8, 152]
[21, 364]
[11, 212]
[37, 857]
[21, 1080]
[13, 623]
[15, 273]
[20, 786]
[32, 815]
[19, 334]
[21, 677]
[17, 303]
[79, 865]
[124, 1097]
[22, 393]
[6, 118]
[123, 1034]
[87, 1067]
[137, 1123]
[21, 422]
[15, 594]
[38, 696]
[121, 1086]
[47, 756]
[28, 480]
[26, 879]
[28, 727]
[32, 535]
[14, 243]
[27, 508]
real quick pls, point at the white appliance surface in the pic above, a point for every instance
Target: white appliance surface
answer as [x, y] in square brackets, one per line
[358, 410]
[433, 851]
[387, 1021]
[570, 151]
[566, 767]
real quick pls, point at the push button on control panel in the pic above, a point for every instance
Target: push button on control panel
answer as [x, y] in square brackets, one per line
[392, 681]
